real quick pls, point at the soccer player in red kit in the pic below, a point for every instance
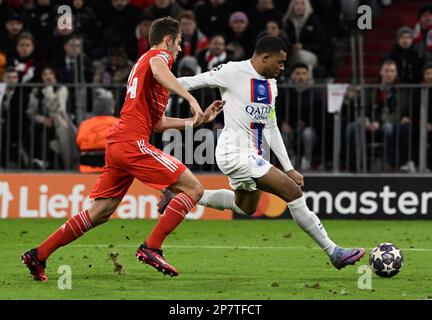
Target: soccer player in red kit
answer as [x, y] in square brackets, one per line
[129, 155]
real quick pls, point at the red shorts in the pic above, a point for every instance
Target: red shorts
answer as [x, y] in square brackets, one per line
[127, 160]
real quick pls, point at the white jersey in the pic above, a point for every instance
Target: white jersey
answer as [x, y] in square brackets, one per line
[249, 112]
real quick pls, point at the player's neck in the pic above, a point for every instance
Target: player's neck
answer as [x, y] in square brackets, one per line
[159, 47]
[257, 67]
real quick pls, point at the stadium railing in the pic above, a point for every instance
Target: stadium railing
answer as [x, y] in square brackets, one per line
[376, 130]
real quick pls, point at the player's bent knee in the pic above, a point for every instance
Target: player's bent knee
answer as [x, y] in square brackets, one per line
[101, 211]
[197, 191]
[297, 193]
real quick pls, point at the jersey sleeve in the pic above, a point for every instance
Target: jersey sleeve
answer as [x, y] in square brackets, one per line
[165, 57]
[221, 76]
[276, 143]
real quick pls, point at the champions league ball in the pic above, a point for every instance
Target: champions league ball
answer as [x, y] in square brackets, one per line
[386, 260]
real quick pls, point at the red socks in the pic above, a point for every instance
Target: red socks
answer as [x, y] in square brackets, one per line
[74, 228]
[174, 214]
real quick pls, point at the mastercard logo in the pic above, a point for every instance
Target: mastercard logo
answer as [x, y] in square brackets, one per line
[270, 206]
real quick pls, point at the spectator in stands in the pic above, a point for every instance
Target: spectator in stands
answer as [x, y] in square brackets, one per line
[50, 123]
[13, 123]
[73, 65]
[24, 61]
[240, 33]
[9, 36]
[52, 46]
[303, 117]
[423, 33]
[214, 55]
[91, 136]
[85, 21]
[235, 51]
[386, 117]
[142, 34]
[163, 8]
[212, 16]
[305, 32]
[193, 40]
[261, 14]
[187, 67]
[113, 69]
[409, 63]
[427, 79]
[274, 28]
[118, 26]
[40, 20]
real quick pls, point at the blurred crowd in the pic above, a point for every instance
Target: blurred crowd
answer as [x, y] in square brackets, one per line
[106, 37]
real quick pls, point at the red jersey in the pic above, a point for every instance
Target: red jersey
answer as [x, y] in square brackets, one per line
[145, 101]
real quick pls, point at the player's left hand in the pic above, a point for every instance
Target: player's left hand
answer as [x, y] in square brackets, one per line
[297, 177]
[213, 111]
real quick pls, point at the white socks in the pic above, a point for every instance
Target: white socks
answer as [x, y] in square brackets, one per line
[310, 223]
[220, 199]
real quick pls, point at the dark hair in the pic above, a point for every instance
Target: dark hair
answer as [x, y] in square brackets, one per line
[117, 52]
[427, 66]
[71, 37]
[188, 14]
[10, 69]
[163, 27]
[425, 8]
[387, 62]
[299, 65]
[270, 45]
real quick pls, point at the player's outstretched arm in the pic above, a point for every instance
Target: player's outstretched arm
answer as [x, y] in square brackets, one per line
[210, 114]
[221, 76]
[275, 141]
[164, 76]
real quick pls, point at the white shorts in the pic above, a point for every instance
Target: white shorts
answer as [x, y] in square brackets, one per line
[242, 169]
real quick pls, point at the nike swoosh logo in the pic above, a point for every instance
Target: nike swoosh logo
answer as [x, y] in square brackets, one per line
[261, 98]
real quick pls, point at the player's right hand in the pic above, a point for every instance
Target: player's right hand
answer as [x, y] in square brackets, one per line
[197, 113]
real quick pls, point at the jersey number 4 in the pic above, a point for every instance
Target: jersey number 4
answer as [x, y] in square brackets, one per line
[132, 82]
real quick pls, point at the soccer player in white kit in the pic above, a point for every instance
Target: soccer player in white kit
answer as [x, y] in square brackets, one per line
[249, 89]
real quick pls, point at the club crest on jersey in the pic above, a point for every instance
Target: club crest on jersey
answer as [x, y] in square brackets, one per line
[261, 91]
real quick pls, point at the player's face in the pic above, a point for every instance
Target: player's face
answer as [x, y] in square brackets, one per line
[275, 64]
[174, 46]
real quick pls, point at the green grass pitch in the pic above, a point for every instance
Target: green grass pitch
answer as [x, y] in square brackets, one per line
[254, 259]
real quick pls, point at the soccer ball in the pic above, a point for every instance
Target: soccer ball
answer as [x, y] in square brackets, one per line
[386, 260]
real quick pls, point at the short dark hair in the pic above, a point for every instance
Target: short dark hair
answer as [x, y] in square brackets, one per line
[425, 8]
[427, 66]
[10, 69]
[163, 27]
[270, 44]
[388, 62]
[299, 65]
